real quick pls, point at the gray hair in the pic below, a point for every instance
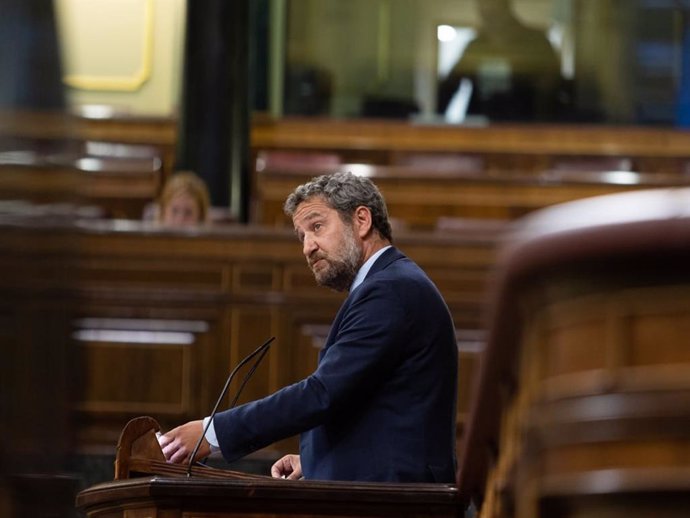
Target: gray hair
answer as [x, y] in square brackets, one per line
[344, 192]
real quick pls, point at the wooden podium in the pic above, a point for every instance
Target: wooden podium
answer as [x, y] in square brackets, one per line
[146, 486]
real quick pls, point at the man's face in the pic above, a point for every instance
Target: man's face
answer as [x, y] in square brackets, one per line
[332, 249]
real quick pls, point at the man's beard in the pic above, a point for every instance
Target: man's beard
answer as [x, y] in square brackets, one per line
[341, 270]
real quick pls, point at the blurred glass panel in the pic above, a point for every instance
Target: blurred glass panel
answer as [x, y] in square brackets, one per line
[435, 61]
[483, 61]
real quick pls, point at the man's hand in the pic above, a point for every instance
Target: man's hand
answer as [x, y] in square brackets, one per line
[289, 467]
[178, 443]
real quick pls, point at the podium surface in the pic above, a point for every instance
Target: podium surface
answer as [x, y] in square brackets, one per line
[157, 496]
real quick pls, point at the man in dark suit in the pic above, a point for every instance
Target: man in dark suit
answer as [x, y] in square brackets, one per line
[381, 404]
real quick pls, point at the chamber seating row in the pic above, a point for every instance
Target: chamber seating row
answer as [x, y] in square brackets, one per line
[432, 175]
[428, 198]
[114, 166]
[118, 162]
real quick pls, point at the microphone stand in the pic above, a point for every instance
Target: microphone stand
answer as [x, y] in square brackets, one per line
[261, 351]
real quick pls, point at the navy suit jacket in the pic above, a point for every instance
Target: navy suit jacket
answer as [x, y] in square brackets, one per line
[381, 404]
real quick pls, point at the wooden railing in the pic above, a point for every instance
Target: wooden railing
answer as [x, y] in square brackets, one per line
[583, 402]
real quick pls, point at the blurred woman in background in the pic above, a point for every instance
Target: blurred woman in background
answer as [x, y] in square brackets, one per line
[184, 201]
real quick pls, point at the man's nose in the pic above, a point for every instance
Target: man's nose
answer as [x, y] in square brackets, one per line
[308, 246]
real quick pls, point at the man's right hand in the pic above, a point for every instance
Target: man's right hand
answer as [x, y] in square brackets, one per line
[178, 443]
[289, 467]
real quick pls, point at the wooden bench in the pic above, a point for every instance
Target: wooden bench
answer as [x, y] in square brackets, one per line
[116, 164]
[496, 148]
[500, 171]
[423, 198]
[118, 187]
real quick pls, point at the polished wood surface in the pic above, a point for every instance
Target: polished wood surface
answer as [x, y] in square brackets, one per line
[583, 402]
[195, 496]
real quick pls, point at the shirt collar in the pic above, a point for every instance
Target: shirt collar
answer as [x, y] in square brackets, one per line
[364, 270]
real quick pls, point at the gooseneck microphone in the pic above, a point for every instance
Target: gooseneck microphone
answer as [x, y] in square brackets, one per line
[261, 351]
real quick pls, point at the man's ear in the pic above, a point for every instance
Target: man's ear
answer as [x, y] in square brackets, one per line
[362, 221]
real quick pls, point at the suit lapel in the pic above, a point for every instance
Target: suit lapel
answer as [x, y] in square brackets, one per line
[386, 258]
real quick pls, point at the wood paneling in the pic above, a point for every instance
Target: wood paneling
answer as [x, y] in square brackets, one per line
[108, 364]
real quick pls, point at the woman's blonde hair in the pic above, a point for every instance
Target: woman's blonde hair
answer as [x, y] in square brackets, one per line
[185, 182]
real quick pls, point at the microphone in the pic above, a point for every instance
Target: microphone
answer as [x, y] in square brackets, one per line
[261, 351]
